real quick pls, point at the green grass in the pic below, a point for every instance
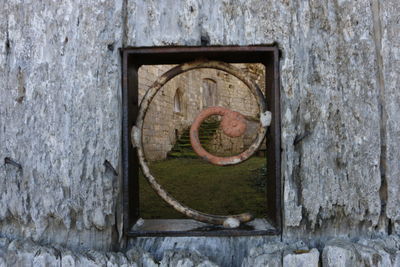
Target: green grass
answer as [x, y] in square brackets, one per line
[204, 187]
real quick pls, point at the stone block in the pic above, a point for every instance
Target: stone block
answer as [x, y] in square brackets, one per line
[181, 258]
[339, 253]
[268, 255]
[301, 258]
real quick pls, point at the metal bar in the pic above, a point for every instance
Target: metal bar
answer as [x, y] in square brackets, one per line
[273, 139]
[183, 49]
[129, 166]
[187, 227]
[125, 144]
[216, 233]
[277, 141]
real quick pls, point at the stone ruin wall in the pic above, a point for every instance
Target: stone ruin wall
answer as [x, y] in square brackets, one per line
[162, 122]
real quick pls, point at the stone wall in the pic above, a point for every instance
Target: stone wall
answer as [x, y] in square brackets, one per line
[210, 252]
[60, 118]
[163, 124]
[60, 110]
[338, 81]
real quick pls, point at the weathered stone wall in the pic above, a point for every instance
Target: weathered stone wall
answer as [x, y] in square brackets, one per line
[60, 119]
[226, 252]
[61, 99]
[163, 124]
[338, 91]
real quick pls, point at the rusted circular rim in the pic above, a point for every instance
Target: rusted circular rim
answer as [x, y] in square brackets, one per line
[137, 134]
[197, 147]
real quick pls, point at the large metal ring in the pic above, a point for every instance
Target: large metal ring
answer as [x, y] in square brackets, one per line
[137, 140]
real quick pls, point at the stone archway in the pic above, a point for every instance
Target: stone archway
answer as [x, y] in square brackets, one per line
[178, 101]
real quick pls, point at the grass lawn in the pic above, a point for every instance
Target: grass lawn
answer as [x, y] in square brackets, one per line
[205, 187]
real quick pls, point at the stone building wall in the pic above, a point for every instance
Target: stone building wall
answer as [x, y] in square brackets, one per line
[60, 113]
[163, 124]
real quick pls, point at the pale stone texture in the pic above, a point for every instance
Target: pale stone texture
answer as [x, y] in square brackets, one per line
[303, 259]
[28, 253]
[330, 93]
[366, 252]
[185, 259]
[388, 45]
[60, 119]
[268, 255]
[339, 253]
[226, 251]
[60, 109]
[333, 174]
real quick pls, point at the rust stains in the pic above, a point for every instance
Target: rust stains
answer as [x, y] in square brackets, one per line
[233, 124]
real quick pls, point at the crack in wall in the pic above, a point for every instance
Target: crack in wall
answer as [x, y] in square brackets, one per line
[377, 37]
[124, 23]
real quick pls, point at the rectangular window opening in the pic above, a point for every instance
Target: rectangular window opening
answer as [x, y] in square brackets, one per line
[252, 186]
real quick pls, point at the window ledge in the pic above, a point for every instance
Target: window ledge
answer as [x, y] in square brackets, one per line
[187, 227]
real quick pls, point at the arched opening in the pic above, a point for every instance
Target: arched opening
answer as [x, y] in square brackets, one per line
[178, 101]
[210, 96]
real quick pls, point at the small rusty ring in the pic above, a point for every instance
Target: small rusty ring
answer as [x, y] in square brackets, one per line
[137, 134]
[233, 124]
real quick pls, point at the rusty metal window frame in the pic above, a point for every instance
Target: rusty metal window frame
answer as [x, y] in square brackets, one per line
[133, 58]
